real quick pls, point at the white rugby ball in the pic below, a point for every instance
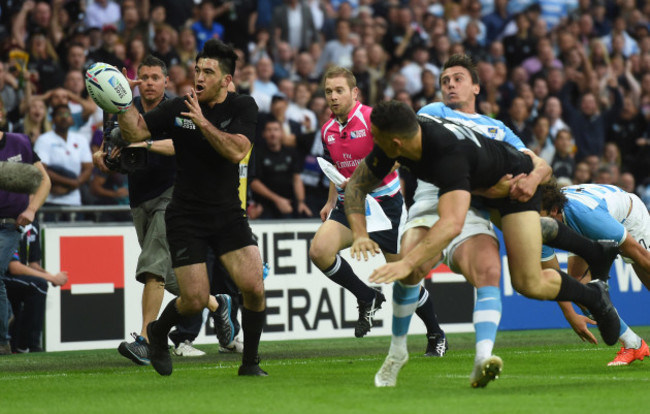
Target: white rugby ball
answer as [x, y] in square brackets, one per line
[108, 88]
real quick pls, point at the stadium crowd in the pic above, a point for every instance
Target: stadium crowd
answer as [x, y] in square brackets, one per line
[570, 78]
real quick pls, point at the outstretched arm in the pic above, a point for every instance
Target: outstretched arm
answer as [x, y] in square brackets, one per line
[359, 185]
[452, 207]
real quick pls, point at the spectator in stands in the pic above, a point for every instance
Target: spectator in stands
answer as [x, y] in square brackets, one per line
[552, 109]
[106, 52]
[16, 210]
[66, 157]
[263, 83]
[496, 21]
[91, 115]
[402, 36]
[563, 164]
[44, 61]
[521, 45]
[76, 57]
[284, 58]
[582, 173]
[246, 86]
[292, 22]
[541, 143]
[627, 183]
[605, 175]
[298, 110]
[588, 124]
[627, 129]
[132, 26]
[135, 53]
[259, 46]
[429, 92]
[413, 71]
[473, 16]
[10, 93]
[35, 122]
[441, 50]
[164, 42]
[102, 12]
[628, 46]
[276, 181]
[338, 51]
[543, 60]
[27, 284]
[517, 120]
[186, 48]
[206, 28]
[315, 182]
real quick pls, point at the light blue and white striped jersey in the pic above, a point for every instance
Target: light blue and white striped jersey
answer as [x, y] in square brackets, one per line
[484, 125]
[597, 211]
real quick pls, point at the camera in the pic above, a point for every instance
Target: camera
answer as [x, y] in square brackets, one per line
[128, 159]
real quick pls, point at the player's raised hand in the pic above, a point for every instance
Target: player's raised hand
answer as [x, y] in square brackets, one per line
[132, 82]
[195, 113]
[391, 272]
[362, 246]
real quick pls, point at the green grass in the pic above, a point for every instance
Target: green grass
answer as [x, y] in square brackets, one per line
[544, 371]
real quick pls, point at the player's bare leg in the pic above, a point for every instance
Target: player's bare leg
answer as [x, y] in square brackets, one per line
[478, 259]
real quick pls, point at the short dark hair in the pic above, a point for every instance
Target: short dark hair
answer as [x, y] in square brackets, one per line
[60, 107]
[225, 54]
[395, 118]
[465, 61]
[552, 196]
[151, 61]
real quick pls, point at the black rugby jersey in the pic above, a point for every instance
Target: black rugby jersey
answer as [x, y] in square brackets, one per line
[205, 180]
[455, 157]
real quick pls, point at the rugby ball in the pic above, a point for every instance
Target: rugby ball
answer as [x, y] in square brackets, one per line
[108, 88]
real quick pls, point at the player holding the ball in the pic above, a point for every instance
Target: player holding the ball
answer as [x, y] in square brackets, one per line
[212, 130]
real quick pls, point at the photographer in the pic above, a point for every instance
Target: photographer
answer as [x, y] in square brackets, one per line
[150, 181]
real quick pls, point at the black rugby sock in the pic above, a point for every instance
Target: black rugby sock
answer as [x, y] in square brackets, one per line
[573, 291]
[168, 319]
[341, 273]
[569, 240]
[252, 323]
[426, 311]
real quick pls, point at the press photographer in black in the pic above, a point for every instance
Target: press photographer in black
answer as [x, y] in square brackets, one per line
[151, 170]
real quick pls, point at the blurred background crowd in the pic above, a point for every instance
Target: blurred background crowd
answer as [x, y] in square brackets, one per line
[570, 77]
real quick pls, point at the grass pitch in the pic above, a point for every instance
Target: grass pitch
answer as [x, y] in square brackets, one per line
[546, 371]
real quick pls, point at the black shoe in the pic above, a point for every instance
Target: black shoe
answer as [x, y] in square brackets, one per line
[137, 351]
[367, 313]
[159, 352]
[609, 323]
[223, 325]
[252, 369]
[609, 251]
[437, 345]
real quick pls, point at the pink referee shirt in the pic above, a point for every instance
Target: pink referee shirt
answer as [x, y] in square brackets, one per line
[349, 144]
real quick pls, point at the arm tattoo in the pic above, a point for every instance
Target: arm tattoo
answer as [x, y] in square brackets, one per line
[549, 229]
[361, 183]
